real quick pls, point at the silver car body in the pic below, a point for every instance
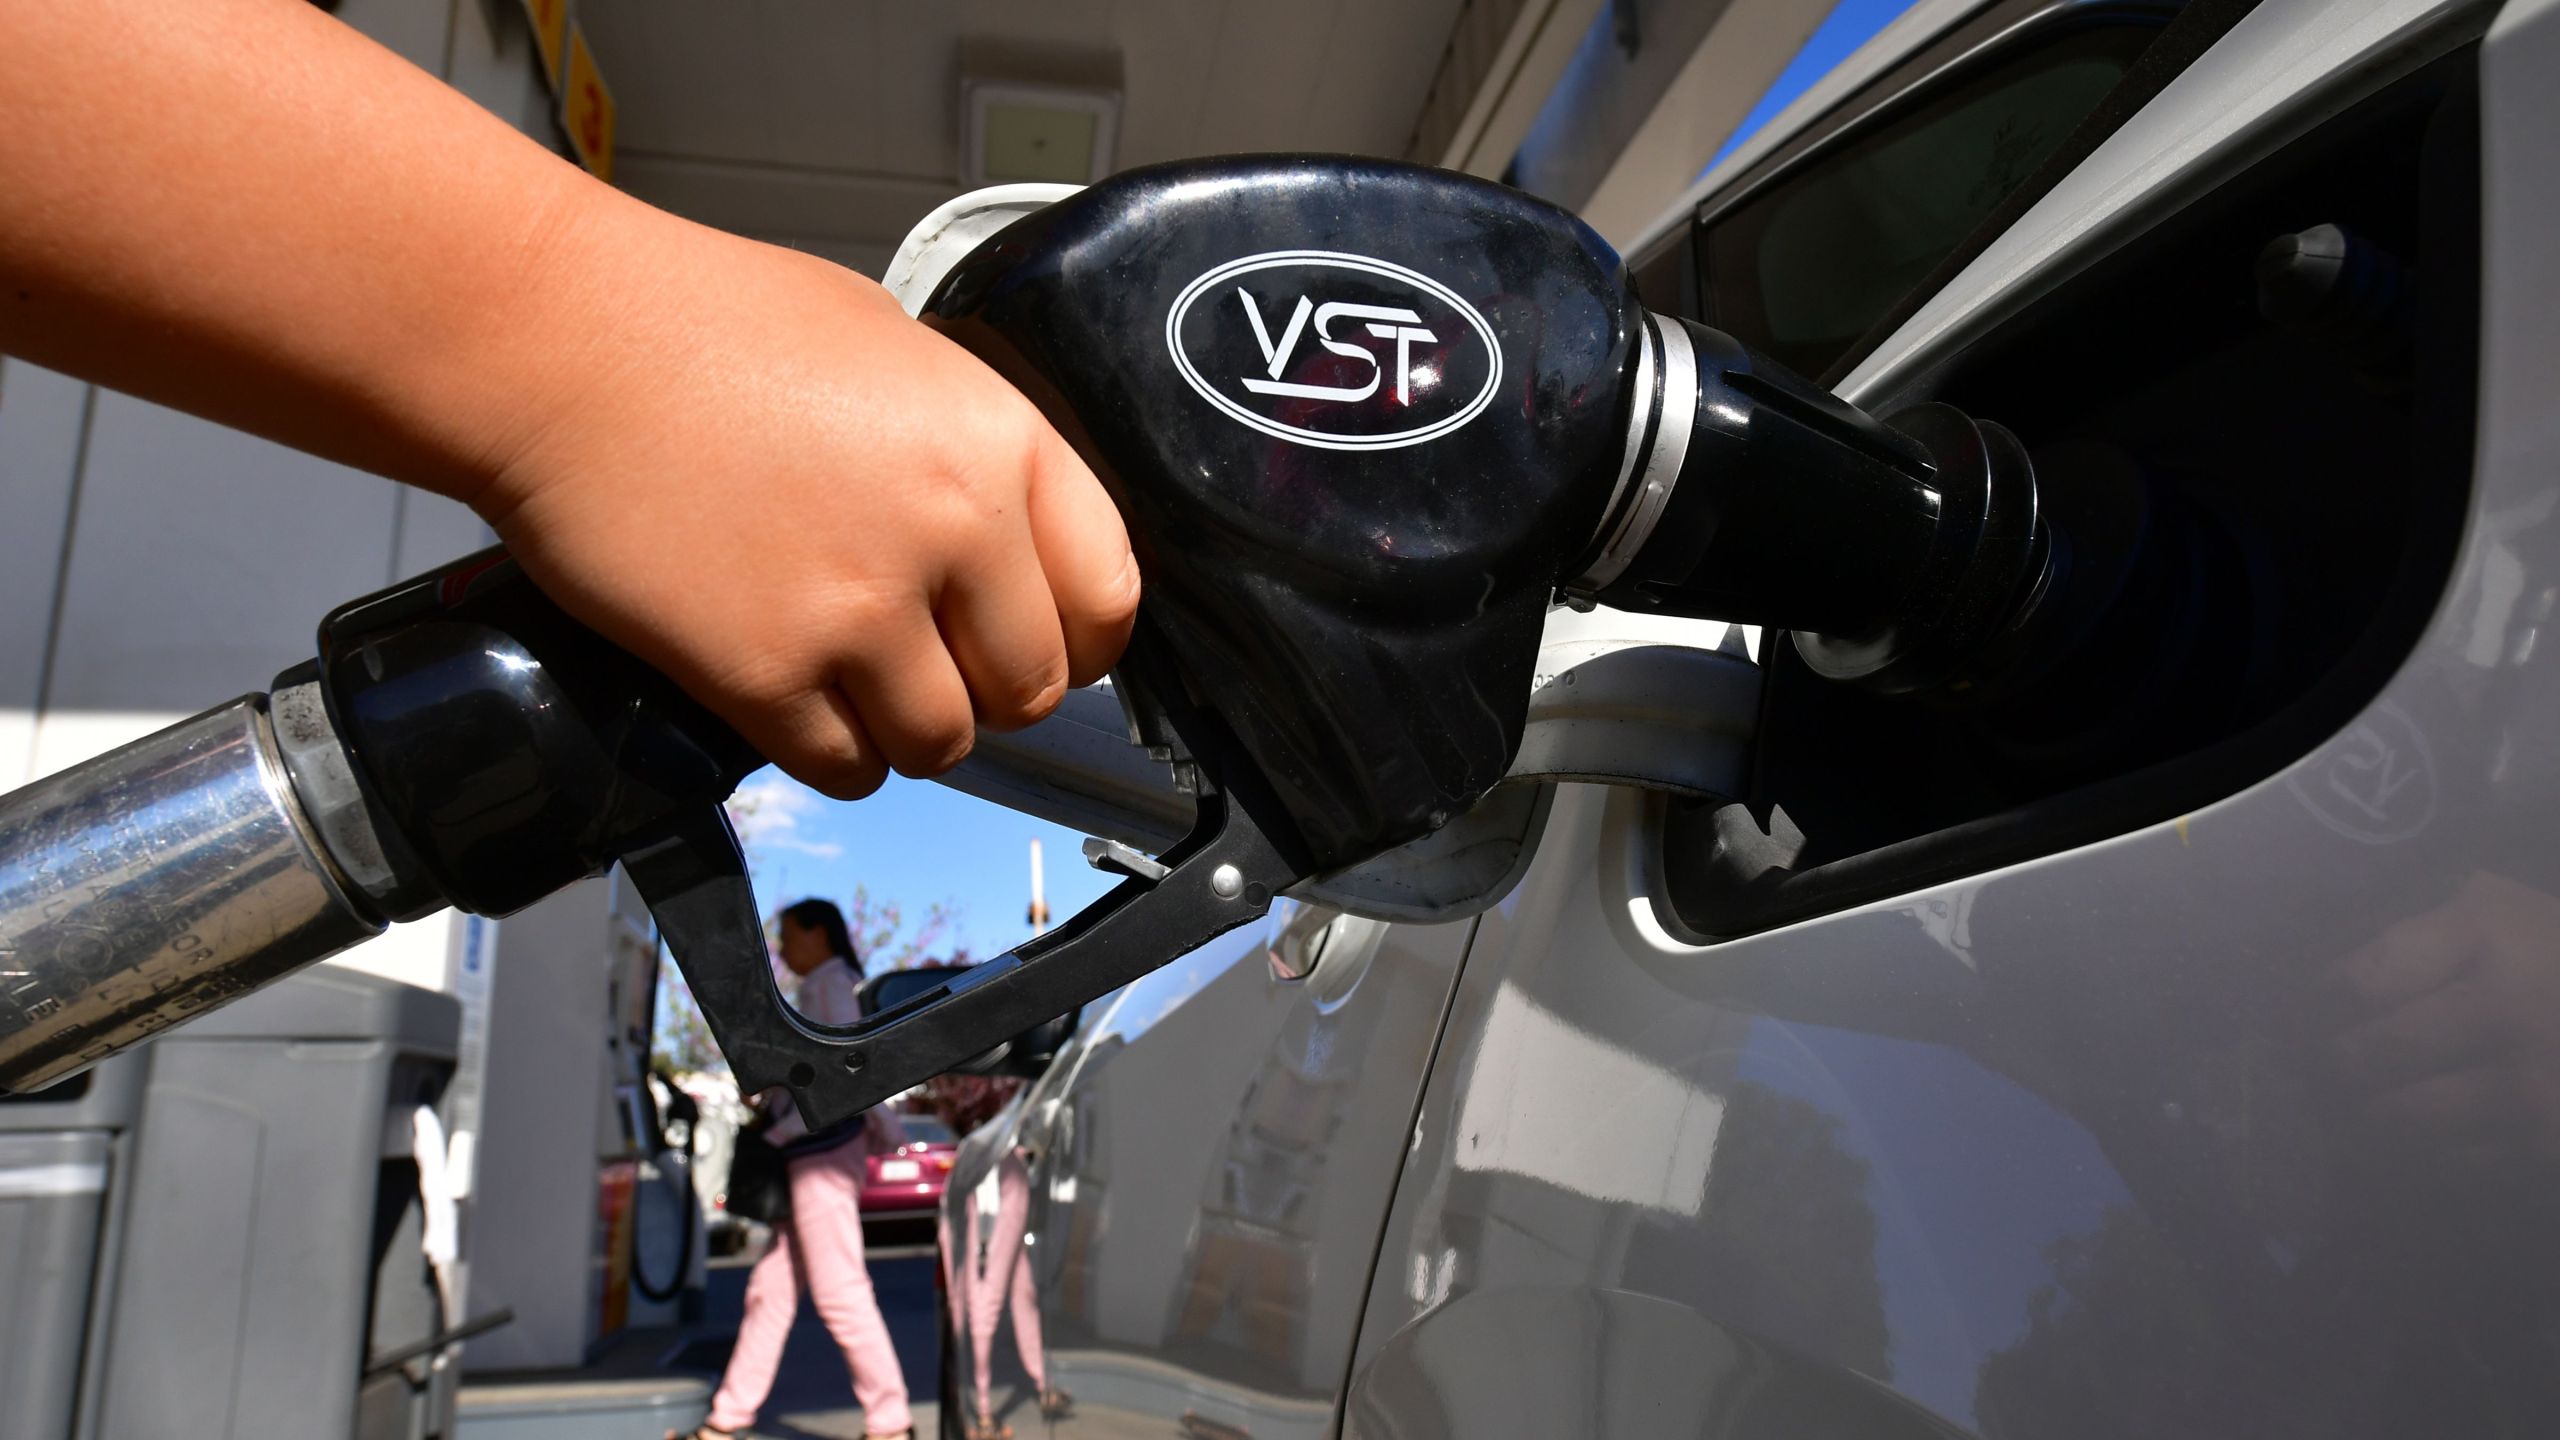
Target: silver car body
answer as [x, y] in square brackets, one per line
[2064, 1147]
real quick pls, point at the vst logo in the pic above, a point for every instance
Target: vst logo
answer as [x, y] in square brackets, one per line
[1333, 350]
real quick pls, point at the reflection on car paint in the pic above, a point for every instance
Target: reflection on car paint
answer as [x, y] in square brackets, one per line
[1515, 1122]
[1209, 1166]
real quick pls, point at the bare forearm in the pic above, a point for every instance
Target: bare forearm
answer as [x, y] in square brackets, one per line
[246, 209]
[839, 530]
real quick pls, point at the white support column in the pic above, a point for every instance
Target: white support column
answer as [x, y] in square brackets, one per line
[43, 417]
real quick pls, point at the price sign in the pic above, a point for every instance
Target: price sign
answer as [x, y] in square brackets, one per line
[586, 108]
[550, 31]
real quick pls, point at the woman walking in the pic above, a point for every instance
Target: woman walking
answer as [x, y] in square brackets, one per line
[821, 1243]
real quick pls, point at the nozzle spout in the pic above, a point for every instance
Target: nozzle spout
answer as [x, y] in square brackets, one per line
[1900, 552]
[152, 884]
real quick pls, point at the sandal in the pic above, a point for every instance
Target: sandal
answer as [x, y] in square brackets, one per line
[984, 1426]
[1056, 1404]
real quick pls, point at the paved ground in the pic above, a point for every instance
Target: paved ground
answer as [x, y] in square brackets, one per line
[813, 1396]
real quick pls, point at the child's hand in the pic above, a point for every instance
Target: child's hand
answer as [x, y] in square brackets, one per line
[834, 527]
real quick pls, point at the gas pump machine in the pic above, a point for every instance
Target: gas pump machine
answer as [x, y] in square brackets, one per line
[1367, 423]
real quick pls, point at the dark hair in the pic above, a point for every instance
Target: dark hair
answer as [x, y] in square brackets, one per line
[823, 917]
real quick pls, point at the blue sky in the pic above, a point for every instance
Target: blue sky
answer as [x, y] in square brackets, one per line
[913, 844]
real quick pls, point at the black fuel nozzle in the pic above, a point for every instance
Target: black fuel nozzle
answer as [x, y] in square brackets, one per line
[1353, 413]
[468, 744]
[1911, 555]
[1364, 421]
[1367, 420]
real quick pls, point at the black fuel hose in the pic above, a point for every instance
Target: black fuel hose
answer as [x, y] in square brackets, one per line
[684, 1212]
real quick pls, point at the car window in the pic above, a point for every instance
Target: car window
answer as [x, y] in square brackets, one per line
[1802, 268]
[925, 1129]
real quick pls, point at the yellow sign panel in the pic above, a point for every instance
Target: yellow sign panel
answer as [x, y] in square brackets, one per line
[586, 108]
[550, 28]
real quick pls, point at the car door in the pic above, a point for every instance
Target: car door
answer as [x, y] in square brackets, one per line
[2184, 1074]
[1207, 1168]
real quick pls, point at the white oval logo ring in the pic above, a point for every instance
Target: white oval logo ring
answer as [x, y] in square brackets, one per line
[1292, 330]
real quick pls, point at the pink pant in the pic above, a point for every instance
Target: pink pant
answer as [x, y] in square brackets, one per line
[821, 1245]
[1002, 1277]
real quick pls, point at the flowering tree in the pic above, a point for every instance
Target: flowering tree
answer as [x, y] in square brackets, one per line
[880, 932]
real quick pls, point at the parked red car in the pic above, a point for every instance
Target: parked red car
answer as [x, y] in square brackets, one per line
[907, 1182]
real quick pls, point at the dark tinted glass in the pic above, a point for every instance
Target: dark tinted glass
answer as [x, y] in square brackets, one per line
[925, 1129]
[893, 988]
[1800, 270]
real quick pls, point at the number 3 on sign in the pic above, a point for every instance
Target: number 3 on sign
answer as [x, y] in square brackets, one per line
[586, 108]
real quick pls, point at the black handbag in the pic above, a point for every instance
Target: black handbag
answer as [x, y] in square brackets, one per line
[759, 1178]
[760, 1173]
